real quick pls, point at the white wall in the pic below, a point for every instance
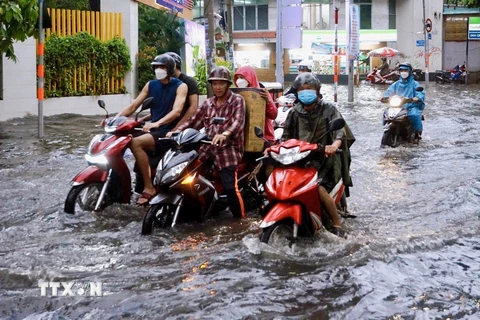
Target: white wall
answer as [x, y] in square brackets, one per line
[410, 29]
[129, 11]
[19, 82]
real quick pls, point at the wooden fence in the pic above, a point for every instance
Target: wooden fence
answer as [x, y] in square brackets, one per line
[102, 25]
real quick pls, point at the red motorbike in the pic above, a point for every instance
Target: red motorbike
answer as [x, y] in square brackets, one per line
[389, 78]
[107, 179]
[295, 208]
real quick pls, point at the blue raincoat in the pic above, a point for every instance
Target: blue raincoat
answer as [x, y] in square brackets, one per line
[406, 88]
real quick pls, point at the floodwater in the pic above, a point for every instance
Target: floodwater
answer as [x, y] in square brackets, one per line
[413, 252]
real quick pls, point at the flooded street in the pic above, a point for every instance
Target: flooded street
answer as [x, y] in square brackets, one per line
[413, 252]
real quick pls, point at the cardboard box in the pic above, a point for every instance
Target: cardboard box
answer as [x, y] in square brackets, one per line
[255, 116]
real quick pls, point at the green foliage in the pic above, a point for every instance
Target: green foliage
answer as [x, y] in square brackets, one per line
[159, 29]
[158, 32]
[84, 53]
[222, 62]
[201, 75]
[17, 23]
[69, 4]
[144, 57]
[466, 3]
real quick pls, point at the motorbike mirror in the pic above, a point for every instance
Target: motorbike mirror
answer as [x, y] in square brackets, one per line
[419, 89]
[101, 103]
[218, 120]
[336, 124]
[258, 132]
[147, 103]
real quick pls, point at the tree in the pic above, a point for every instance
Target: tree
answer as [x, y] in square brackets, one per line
[17, 23]
[159, 29]
[69, 4]
[466, 3]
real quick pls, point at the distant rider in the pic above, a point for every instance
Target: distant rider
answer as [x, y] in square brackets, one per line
[383, 69]
[405, 87]
[227, 146]
[304, 66]
[308, 121]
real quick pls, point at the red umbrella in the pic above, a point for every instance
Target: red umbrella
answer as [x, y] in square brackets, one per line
[385, 52]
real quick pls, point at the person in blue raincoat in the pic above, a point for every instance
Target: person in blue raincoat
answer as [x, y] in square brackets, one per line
[405, 87]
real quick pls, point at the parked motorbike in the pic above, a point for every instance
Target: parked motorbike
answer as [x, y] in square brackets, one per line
[373, 77]
[294, 207]
[190, 190]
[455, 75]
[397, 127]
[285, 104]
[107, 179]
[391, 77]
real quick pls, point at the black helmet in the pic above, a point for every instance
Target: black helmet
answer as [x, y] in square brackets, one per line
[307, 78]
[164, 60]
[220, 73]
[177, 59]
[405, 65]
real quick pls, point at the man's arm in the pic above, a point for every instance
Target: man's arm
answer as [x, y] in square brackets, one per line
[135, 103]
[193, 99]
[288, 127]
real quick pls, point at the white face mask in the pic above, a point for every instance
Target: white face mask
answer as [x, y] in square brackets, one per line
[404, 74]
[242, 83]
[160, 73]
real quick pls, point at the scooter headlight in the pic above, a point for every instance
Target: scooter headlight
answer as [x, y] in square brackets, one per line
[395, 101]
[98, 159]
[289, 156]
[173, 173]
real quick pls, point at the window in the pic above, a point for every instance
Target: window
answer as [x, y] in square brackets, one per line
[392, 14]
[365, 13]
[198, 11]
[250, 15]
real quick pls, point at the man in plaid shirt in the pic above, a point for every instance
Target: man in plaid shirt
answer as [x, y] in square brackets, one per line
[227, 146]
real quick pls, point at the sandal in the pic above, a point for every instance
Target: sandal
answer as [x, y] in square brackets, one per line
[144, 199]
[339, 232]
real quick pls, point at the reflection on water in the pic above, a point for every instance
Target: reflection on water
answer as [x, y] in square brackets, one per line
[413, 251]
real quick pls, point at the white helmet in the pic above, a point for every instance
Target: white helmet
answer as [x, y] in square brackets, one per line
[305, 66]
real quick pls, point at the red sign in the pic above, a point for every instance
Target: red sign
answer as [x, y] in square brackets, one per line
[428, 25]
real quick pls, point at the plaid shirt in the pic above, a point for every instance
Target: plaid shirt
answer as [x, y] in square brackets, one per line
[233, 110]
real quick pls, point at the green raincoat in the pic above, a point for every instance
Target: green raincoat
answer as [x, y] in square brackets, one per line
[310, 126]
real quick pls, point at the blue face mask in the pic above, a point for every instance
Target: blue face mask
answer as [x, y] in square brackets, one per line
[307, 97]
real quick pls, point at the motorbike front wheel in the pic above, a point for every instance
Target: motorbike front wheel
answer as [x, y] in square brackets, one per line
[389, 139]
[279, 234]
[157, 215]
[84, 198]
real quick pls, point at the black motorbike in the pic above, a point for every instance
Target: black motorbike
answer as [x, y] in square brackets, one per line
[190, 190]
[397, 127]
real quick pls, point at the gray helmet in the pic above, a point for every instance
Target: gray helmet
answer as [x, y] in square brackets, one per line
[177, 59]
[164, 60]
[220, 73]
[405, 65]
[307, 78]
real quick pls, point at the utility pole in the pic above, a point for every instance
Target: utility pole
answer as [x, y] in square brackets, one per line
[209, 14]
[40, 69]
[230, 29]
[279, 46]
[427, 54]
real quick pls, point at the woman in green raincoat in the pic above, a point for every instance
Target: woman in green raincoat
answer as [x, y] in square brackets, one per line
[308, 121]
